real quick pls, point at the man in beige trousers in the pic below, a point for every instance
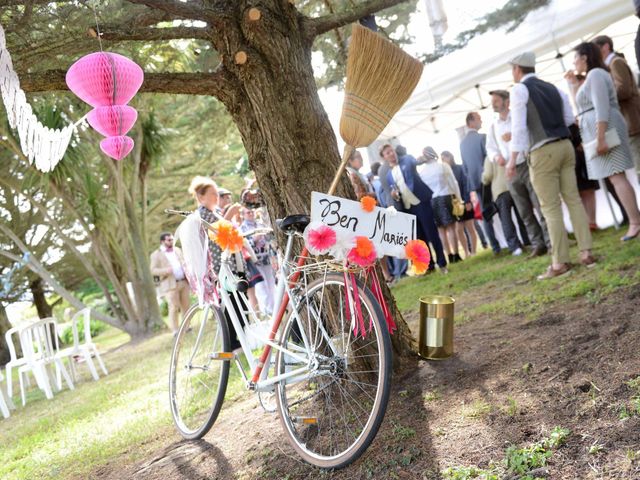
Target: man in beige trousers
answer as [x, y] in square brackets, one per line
[540, 115]
[167, 263]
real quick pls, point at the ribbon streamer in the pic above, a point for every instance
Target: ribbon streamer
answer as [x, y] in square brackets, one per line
[41, 145]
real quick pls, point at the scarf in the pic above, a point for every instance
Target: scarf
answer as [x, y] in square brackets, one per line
[408, 198]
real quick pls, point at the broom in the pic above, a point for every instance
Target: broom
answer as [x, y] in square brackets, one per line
[380, 79]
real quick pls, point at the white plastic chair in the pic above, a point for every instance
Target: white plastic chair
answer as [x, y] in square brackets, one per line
[5, 401]
[14, 360]
[86, 348]
[39, 342]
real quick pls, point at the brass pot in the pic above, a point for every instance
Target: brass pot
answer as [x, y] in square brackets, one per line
[436, 327]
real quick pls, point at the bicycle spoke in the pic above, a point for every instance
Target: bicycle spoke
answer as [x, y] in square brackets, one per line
[331, 415]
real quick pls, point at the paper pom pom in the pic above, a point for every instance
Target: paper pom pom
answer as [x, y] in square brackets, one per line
[344, 244]
[319, 238]
[368, 204]
[117, 147]
[364, 253]
[104, 78]
[113, 120]
[418, 255]
[227, 236]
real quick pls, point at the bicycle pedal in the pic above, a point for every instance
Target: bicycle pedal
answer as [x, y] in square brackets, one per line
[306, 420]
[222, 356]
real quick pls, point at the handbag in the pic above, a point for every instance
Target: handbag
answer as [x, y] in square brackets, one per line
[489, 207]
[611, 138]
[457, 207]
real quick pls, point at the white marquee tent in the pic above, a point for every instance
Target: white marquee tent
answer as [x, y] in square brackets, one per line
[461, 81]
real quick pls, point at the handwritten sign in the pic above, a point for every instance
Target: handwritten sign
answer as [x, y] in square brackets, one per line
[389, 231]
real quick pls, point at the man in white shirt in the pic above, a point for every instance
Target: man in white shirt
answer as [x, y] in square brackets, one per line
[540, 114]
[520, 188]
[167, 264]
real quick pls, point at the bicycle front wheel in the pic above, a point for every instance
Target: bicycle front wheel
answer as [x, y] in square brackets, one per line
[198, 376]
[333, 413]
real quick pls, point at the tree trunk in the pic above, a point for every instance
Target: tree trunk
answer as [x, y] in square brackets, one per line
[39, 300]
[274, 102]
[4, 327]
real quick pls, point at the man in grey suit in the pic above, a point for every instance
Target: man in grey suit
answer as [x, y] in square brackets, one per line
[473, 151]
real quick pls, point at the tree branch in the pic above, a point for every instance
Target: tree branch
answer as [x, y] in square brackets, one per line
[187, 83]
[13, 3]
[150, 34]
[191, 9]
[320, 25]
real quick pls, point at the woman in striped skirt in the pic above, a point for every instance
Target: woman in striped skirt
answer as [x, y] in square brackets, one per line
[598, 111]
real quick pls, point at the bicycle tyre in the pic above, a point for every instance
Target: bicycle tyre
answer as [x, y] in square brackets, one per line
[335, 457]
[194, 420]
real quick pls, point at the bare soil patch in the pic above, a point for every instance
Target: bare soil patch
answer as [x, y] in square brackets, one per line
[511, 381]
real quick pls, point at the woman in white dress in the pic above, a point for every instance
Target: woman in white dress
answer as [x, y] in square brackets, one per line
[440, 179]
[598, 111]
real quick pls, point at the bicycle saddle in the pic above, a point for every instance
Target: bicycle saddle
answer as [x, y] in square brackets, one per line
[292, 223]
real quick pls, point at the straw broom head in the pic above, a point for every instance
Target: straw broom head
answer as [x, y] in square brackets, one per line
[380, 79]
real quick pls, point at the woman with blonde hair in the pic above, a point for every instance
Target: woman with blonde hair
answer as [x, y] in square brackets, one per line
[205, 192]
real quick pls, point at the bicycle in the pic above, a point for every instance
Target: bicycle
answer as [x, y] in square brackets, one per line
[332, 367]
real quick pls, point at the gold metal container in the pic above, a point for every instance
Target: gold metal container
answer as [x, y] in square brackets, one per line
[436, 327]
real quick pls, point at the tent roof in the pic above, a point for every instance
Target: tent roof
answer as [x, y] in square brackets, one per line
[461, 81]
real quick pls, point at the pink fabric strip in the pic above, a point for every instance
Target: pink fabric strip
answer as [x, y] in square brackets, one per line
[358, 306]
[377, 292]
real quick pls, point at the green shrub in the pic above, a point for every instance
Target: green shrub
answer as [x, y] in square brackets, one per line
[96, 327]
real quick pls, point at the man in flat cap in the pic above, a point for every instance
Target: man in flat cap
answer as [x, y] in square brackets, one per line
[520, 188]
[540, 116]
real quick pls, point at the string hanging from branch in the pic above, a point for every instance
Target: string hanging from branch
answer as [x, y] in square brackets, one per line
[43, 146]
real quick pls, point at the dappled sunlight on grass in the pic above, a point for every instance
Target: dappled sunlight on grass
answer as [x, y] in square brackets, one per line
[81, 429]
[125, 415]
[486, 284]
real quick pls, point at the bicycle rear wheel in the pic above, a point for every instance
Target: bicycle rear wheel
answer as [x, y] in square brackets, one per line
[332, 416]
[197, 376]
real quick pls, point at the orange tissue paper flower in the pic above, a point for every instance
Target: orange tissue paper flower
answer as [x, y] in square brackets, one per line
[227, 236]
[368, 203]
[419, 256]
[364, 253]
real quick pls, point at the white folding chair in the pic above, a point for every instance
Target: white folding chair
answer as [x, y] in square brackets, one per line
[14, 361]
[5, 401]
[85, 348]
[38, 345]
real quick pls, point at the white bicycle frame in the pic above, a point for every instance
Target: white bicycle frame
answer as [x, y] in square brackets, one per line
[305, 355]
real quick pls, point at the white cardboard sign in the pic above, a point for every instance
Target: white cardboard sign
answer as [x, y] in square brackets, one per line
[389, 230]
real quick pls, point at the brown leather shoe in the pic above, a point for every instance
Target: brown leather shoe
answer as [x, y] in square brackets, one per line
[589, 262]
[538, 252]
[555, 273]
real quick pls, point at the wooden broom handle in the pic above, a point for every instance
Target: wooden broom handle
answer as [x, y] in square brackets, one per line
[348, 150]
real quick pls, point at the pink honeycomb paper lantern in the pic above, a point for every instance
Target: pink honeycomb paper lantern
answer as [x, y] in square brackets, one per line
[104, 78]
[117, 147]
[114, 120]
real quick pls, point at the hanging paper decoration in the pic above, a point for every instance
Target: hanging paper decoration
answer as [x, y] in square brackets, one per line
[43, 146]
[108, 81]
[114, 120]
[117, 147]
[105, 78]
[319, 238]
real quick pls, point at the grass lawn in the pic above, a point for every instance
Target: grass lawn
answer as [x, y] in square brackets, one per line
[507, 284]
[121, 415]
